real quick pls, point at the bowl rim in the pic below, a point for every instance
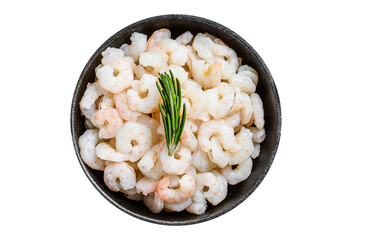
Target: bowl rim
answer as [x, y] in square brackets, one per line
[201, 218]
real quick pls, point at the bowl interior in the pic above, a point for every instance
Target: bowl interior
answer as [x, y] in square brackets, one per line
[266, 89]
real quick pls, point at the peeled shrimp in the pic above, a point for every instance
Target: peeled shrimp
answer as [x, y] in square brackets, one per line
[199, 204]
[108, 120]
[234, 119]
[249, 72]
[92, 93]
[244, 138]
[153, 125]
[195, 96]
[218, 155]
[132, 132]
[240, 173]
[247, 109]
[243, 82]
[230, 65]
[112, 83]
[178, 206]
[104, 151]
[257, 149]
[223, 189]
[209, 180]
[258, 115]
[157, 36]
[258, 134]
[178, 72]
[119, 176]
[224, 133]
[184, 38]
[153, 202]
[220, 100]
[186, 189]
[106, 101]
[148, 103]
[149, 164]
[137, 46]
[87, 143]
[204, 47]
[207, 74]
[172, 165]
[111, 56]
[188, 138]
[146, 185]
[201, 162]
[123, 109]
[153, 59]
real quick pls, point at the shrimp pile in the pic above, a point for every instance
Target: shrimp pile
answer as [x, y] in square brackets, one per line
[125, 134]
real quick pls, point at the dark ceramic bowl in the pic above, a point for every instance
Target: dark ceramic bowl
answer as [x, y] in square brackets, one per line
[266, 89]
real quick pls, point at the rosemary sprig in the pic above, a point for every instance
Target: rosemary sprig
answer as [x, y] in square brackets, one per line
[170, 91]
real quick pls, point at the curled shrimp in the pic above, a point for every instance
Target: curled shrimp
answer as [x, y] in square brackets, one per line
[204, 47]
[249, 72]
[220, 100]
[218, 155]
[246, 110]
[123, 109]
[222, 130]
[87, 143]
[258, 134]
[153, 125]
[257, 149]
[157, 36]
[234, 119]
[208, 75]
[240, 173]
[172, 164]
[154, 60]
[115, 78]
[104, 151]
[178, 206]
[133, 139]
[119, 176]
[223, 189]
[243, 82]
[108, 120]
[209, 180]
[187, 187]
[258, 114]
[244, 138]
[92, 93]
[146, 185]
[149, 164]
[153, 202]
[194, 96]
[230, 65]
[111, 56]
[184, 38]
[199, 203]
[137, 46]
[148, 103]
[188, 138]
[178, 72]
[106, 101]
[201, 161]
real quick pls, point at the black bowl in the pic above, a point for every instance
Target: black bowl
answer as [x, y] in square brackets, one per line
[266, 89]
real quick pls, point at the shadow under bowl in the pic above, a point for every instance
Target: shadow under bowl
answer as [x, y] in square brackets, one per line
[266, 89]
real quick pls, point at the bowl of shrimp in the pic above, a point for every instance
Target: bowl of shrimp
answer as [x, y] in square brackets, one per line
[175, 119]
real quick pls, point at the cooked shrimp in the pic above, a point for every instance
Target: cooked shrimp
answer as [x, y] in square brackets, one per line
[153, 202]
[195, 96]
[257, 149]
[149, 164]
[153, 125]
[204, 47]
[207, 74]
[112, 83]
[184, 38]
[119, 176]
[87, 143]
[187, 187]
[188, 138]
[104, 151]
[178, 72]
[199, 204]
[106, 101]
[230, 65]
[92, 93]
[240, 173]
[146, 185]
[133, 139]
[243, 82]
[153, 59]
[201, 162]
[220, 100]
[258, 134]
[148, 103]
[123, 108]
[223, 189]
[258, 115]
[244, 138]
[111, 56]
[234, 119]
[209, 180]
[108, 120]
[224, 133]
[249, 72]
[218, 155]
[178, 206]
[246, 110]
[137, 46]
[173, 165]
[157, 36]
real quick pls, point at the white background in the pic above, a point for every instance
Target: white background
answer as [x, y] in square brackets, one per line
[316, 53]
